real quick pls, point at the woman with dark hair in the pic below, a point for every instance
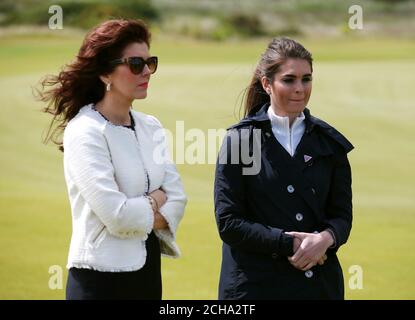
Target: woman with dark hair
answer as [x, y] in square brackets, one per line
[283, 220]
[126, 196]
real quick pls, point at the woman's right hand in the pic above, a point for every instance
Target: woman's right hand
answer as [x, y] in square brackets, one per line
[296, 245]
[160, 197]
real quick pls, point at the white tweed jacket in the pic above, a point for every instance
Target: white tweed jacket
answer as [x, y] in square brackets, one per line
[106, 168]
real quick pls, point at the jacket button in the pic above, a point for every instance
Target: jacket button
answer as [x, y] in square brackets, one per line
[274, 255]
[313, 191]
[299, 217]
[290, 189]
[268, 134]
[308, 273]
[315, 232]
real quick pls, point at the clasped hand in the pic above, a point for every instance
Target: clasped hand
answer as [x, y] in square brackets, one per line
[309, 249]
[160, 197]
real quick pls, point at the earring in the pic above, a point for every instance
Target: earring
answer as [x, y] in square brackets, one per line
[268, 92]
[108, 86]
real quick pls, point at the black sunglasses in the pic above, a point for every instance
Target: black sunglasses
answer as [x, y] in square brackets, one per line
[136, 64]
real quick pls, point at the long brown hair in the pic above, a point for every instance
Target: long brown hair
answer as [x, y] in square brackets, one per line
[78, 84]
[278, 51]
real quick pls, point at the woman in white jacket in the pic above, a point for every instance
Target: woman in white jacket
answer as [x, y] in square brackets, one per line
[126, 196]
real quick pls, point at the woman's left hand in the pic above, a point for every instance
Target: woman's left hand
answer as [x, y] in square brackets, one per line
[312, 249]
[159, 221]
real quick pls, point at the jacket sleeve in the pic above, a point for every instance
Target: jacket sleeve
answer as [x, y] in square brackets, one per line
[173, 209]
[235, 227]
[339, 208]
[88, 164]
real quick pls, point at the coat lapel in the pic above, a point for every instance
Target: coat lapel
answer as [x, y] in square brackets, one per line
[310, 148]
[290, 170]
[277, 186]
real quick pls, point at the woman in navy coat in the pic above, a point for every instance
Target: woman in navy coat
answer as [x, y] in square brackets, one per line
[283, 197]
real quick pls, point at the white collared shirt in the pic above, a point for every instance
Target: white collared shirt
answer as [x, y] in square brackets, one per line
[288, 137]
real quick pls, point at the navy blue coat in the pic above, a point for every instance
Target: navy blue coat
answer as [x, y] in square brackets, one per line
[287, 194]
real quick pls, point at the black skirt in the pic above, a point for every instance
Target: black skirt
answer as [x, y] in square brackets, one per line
[143, 284]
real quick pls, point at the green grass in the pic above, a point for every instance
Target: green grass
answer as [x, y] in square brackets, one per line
[366, 91]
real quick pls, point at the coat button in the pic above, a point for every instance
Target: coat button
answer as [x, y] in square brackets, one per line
[299, 217]
[308, 273]
[274, 255]
[268, 134]
[290, 189]
[313, 191]
[315, 232]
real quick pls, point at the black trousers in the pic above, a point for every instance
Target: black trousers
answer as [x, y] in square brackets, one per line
[143, 284]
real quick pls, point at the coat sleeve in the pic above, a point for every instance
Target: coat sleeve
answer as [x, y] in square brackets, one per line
[339, 208]
[88, 164]
[235, 227]
[173, 209]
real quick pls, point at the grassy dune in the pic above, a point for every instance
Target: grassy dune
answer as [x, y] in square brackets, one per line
[363, 88]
